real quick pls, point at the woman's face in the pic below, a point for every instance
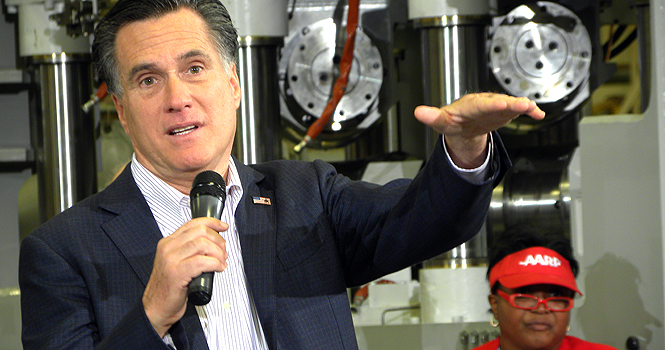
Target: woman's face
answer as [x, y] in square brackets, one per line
[537, 329]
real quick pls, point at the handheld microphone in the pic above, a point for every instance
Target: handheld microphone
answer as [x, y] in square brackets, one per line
[206, 200]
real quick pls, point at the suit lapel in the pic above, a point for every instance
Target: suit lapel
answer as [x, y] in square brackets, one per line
[135, 233]
[133, 230]
[256, 229]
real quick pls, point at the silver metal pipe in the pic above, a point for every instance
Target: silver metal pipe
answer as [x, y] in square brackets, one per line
[536, 191]
[65, 150]
[453, 59]
[258, 131]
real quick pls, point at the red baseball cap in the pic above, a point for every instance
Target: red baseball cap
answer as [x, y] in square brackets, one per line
[536, 265]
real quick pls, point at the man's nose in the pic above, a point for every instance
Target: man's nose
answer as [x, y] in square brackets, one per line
[177, 95]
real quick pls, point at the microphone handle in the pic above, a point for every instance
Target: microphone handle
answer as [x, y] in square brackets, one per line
[200, 288]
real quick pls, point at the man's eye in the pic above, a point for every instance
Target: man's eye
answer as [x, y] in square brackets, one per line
[148, 81]
[195, 70]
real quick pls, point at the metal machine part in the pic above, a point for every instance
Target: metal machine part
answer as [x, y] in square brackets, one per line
[65, 152]
[542, 51]
[39, 35]
[307, 74]
[258, 130]
[536, 190]
[452, 49]
[472, 253]
[59, 64]
[257, 135]
[77, 16]
[249, 17]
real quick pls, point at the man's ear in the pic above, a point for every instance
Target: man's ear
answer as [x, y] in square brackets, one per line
[234, 81]
[120, 108]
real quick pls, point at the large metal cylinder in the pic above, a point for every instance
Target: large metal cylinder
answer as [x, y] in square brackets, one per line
[62, 136]
[66, 165]
[259, 18]
[536, 191]
[258, 132]
[453, 59]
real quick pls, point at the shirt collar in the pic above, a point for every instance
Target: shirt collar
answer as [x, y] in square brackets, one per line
[159, 193]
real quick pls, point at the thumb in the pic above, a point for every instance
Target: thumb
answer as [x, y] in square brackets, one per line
[427, 115]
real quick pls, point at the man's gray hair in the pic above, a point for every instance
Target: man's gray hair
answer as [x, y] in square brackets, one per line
[104, 50]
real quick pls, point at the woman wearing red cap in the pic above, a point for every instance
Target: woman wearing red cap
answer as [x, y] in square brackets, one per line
[532, 279]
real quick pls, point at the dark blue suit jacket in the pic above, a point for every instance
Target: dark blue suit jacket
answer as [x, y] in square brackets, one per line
[82, 274]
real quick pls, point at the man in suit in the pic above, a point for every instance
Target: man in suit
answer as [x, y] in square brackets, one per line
[112, 271]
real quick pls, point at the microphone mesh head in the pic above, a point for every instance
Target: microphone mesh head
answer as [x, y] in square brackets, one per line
[208, 183]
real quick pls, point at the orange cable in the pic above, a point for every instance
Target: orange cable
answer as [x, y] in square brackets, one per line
[340, 84]
[610, 43]
[96, 97]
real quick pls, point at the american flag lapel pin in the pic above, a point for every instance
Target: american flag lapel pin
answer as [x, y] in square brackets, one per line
[261, 200]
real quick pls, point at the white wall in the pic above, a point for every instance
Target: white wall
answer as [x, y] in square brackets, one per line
[622, 172]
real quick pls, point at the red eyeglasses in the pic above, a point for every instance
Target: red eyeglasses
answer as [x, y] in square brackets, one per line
[530, 302]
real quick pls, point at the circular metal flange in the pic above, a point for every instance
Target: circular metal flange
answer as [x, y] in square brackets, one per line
[308, 77]
[541, 51]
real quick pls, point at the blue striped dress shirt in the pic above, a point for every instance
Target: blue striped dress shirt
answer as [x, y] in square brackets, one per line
[229, 320]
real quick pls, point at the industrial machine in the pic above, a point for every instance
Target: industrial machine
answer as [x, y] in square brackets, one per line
[403, 53]
[57, 53]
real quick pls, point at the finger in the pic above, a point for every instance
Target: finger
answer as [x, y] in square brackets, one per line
[522, 105]
[190, 241]
[215, 226]
[200, 242]
[490, 103]
[178, 270]
[471, 105]
[199, 264]
[534, 111]
[211, 228]
[194, 229]
[427, 115]
[212, 223]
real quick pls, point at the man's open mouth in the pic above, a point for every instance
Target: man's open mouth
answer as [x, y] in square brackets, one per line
[183, 131]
